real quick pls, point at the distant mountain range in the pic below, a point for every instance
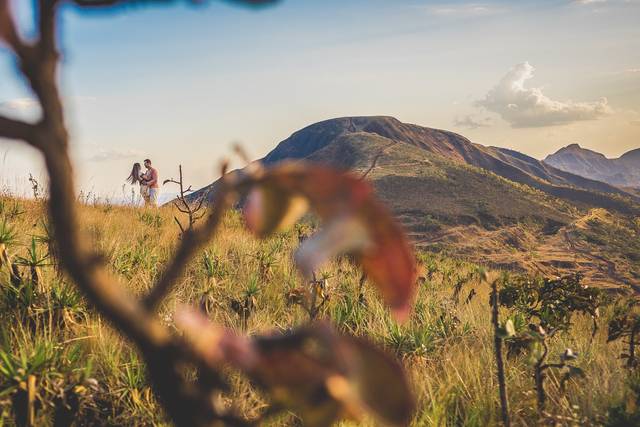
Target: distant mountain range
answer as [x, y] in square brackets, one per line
[623, 171]
[353, 142]
[487, 204]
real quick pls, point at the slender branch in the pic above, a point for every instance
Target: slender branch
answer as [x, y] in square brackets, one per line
[200, 201]
[539, 377]
[497, 341]
[179, 224]
[8, 31]
[193, 239]
[552, 365]
[185, 403]
[17, 129]
[110, 3]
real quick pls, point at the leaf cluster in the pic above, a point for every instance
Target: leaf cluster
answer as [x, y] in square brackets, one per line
[551, 302]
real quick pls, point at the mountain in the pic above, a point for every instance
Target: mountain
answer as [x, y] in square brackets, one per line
[623, 171]
[486, 204]
[360, 137]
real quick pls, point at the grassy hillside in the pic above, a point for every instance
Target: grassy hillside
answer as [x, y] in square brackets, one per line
[484, 204]
[446, 347]
[471, 213]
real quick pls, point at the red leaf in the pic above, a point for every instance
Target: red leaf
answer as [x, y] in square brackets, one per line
[268, 210]
[319, 373]
[348, 206]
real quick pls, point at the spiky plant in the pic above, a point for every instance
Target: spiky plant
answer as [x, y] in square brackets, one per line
[48, 240]
[34, 261]
[7, 238]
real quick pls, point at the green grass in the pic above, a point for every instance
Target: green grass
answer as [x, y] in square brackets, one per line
[82, 366]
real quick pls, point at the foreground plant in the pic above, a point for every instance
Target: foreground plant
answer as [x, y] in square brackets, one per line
[7, 238]
[499, 334]
[321, 374]
[546, 307]
[625, 325]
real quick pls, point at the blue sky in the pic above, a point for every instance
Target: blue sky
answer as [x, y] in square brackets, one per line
[180, 84]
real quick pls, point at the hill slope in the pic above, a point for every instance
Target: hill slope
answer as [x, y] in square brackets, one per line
[449, 192]
[623, 171]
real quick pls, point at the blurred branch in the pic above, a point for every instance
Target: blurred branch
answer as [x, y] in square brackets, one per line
[192, 240]
[109, 3]
[16, 129]
[168, 356]
[186, 402]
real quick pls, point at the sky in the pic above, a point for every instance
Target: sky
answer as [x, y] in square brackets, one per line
[182, 84]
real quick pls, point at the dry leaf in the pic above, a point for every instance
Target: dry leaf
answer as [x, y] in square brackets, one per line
[319, 373]
[355, 222]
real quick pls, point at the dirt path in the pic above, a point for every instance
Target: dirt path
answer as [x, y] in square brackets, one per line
[611, 266]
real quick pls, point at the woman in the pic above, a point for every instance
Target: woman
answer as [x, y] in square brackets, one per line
[135, 177]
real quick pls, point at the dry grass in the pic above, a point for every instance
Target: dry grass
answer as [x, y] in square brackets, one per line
[447, 347]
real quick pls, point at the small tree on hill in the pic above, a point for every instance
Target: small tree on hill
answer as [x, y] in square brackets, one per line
[543, 308]
[625, 325]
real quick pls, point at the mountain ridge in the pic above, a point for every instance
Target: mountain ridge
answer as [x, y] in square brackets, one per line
[490, 205]
[623, 171]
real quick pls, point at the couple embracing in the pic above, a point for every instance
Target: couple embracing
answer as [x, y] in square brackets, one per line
[148, 181]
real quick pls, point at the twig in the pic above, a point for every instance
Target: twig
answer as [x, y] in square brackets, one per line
[497, 340]
[183, 205]
[16, 129]
[192, 240]
[185, 403]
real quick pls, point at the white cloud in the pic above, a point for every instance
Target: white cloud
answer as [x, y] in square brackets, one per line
[605, 3]
[529, 107]
[468, 9]
[471, 122]
[19, 104]
[32, 105]
[587, 2]
[102, 154]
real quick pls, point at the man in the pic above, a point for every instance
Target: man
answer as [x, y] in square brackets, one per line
[151, 180]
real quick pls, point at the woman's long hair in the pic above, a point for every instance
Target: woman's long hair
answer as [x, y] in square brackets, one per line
[134, 176]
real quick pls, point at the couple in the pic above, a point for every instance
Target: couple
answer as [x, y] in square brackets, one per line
[148, 182]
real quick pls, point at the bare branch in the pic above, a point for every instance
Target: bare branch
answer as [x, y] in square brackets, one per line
[47, 27]
[179, 224]
[110, 3]
[17, 129]
[8, 31]
[200, 201]
[184, 403]
[193, 239]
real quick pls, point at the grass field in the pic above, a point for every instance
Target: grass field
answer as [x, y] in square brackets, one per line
[446, 347]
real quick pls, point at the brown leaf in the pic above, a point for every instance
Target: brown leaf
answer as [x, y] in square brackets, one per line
[315, 371]
[342, 235]
[355, 222]
[217, 345]
[268, 210]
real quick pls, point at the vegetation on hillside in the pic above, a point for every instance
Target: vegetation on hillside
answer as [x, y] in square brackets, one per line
[114, 317]
[84, 369]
